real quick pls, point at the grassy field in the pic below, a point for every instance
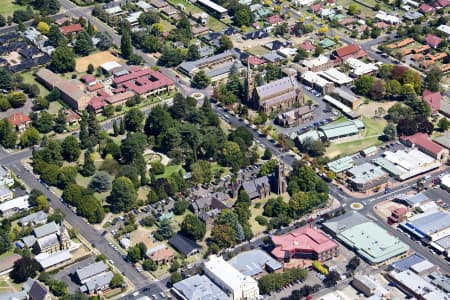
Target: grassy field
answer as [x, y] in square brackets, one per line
[166, 24]
[215, 24]
[374, 128]
[257, 51]
[188, 7]
[29, 78]
[8, 7]
[169, 170]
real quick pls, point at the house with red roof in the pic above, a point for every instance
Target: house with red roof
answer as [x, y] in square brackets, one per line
[144, 82]
[316, 8]
[426, 9]
[306, 243]
[348, 51]
[397, 215]
[433, 99]
[275, 19]
[441, 3]
[19, 121]
[72, 28]
[307, 46]
[89, 79]
[256, 61]
[432, 40]
[423, 142]
[71, 117]
[97, 104]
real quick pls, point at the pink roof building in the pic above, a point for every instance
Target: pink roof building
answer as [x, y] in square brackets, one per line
[426, 9]
[305, 242]
[423, 142]
[256, 61]
[144, 82]
[275, 19]
[433, 99]
[432, 40]
[316, 8]
[307, 46]
[441, 3]
[71, 28]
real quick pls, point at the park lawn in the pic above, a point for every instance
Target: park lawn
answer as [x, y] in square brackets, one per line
[257, 50]
[365, 11]
[215, 24]
[166, 24]
[374, 126]
[169, 170]
[351, 147]
[8, 7]
[29, 78]
[189, 8]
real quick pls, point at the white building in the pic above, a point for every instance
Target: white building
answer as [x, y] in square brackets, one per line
[336, 76]
[5, 193]
[444, 28]
[360, 68]
[11, 207]
[385, 17]
[233, 282]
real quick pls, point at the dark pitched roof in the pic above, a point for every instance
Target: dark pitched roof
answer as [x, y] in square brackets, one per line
[230, 31]
[183, 244]
[37, 291]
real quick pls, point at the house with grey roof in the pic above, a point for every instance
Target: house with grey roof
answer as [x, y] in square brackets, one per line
[34, 219]
[213, 201]
[257, 188]
[97, 283]
[53, 260]
[50, 238]
[5, 193]
[255, 262]
[39, 292]
[85, 273]
[198, 287]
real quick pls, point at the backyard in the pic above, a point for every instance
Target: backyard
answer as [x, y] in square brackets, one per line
[29, 78]
[8, 7]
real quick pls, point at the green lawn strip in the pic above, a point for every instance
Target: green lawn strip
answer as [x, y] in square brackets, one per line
[29, 78]
[374, 126]
[169, 170]
[189, 8]
[7, 7]
[352, 146]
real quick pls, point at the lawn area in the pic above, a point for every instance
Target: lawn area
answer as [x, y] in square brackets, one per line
[169, 170]
[54, 107]
[189, 8]
[29, 78]
[215, 24]
[365, 11]
[82, 181]
[166, 24]
[351, 147]
[8, 7]
[257, 50]
[374, 126]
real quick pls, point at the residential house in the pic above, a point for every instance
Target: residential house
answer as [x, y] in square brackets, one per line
[83, 274]
[161, 254]
[72, 28]
[11, 207]
[93, 278]
[433, 41]
[184, 245]
[7, 263]
[307, 46]
[19, 121]
[433, 99]
[39, 292]
[37, 218]
[346, 52]
[426, 9]
[439, 4]
[5, 193]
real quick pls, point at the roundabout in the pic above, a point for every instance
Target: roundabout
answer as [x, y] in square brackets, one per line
[356, 206]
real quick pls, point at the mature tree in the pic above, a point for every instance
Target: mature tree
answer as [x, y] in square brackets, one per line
[149, 265]
[243, 15]
[201, 172]
[24, 268]
[6, 79]
[101, 182]
[200, 80]
[8, 134]
[164, 230]
[432, 79]
[393, 88]
[353, 9]
[17, 99]
[378, 89]
[55, 36]
[30, 137]
[63, 60]
[125, 43]
[170, 57]
[123, 195]
[134, 119]
[60, 122]
[149, 18]
[2, 20]
[133, 146]
[43, 122]
[88, 168]
[5, 242]
[363, 84]
[332, 278]
[180, 206]
[193, 227]
[152, 44]
[443, 124]
[353, 263]
[70, 148]
[301, 55]
[104, 41]
[390, 132]
[225, 43]
[192, 53]
[83, 44]
[117, 281]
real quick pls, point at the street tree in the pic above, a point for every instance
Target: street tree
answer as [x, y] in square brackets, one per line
[193, 227]
[200, 80]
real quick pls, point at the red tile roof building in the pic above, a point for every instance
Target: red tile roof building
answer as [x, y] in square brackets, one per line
[433, 99]
[316, 7]
[307, 46]
[346, 52]
[441, 3]
[275, 19]
[305, 242]
[423, 142]
[71, 28]
[144, 82]
[89, 79]
[426, 9]
[433, 41]
[256, 61]
[20, 121]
